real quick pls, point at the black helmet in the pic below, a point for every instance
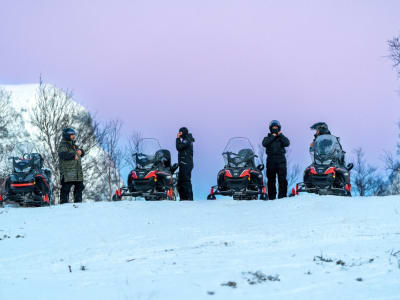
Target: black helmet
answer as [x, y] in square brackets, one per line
[67, 132]
[322, 127]
[274, 123]
[184, 131]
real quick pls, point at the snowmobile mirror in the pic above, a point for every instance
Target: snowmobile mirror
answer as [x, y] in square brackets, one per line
[260, 167]
[350, 166]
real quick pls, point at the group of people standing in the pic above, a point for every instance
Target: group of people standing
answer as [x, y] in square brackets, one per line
[275, 143]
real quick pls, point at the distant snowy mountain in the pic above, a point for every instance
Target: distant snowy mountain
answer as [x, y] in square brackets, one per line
[302, 248]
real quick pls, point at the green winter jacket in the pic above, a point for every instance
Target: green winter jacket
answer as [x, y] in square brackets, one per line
[70, 169]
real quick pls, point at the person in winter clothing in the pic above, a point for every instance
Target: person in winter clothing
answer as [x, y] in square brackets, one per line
[70, 156]
[320, 128]
[184, 145]
[275, 144]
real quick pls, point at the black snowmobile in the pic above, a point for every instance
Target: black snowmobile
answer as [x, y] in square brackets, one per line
[327, 175]
[240, 178]
[153, 177]
[29, 184]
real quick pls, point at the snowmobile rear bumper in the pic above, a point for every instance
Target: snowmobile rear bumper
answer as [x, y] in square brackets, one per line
[25, 200]
[302, 187]
[148, 195]
[235, 193]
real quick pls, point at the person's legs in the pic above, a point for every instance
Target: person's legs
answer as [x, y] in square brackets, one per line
[184, 183]
[282, 180]
[181, 182]
[65, 189]
[189, 184]
[78, 189]
[271, 176]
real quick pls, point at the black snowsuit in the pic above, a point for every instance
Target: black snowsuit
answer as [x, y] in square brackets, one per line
[276, 164]
[184, 145]
[69, 167]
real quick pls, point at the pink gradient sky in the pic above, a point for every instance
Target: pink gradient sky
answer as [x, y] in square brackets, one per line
[223, 68]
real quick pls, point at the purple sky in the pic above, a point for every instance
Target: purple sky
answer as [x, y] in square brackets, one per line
[223, 68]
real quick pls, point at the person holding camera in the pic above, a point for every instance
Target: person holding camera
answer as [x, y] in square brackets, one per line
[184, 145]
[70, 156]
[275, 144]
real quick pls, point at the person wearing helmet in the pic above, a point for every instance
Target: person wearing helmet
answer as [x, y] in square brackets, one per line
[320, 128]
[70, 165]
[184, 145]
[275, 144]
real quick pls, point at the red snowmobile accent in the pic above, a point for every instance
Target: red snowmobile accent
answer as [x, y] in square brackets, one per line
[212, 191]
[264, 190]
[348, 187]
[170, 193]
[331, 170]
[228, 174]
[245, 173]
[312, 171]
[22, 184]
[1, 198]
[46, 198]
[151, 174]
[134, 175]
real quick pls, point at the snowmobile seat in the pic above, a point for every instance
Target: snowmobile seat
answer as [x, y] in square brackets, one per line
[247, 155]
[164, 156]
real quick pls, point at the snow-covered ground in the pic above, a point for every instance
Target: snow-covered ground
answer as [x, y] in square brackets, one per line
[189, 250]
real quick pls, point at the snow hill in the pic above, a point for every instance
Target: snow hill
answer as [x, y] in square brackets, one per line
[307, 247]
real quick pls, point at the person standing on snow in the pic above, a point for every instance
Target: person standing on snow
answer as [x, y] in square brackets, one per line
[275, 144]
[70, 156]
[184, 145]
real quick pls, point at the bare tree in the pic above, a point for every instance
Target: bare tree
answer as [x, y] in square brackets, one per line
[134, 143]
[392, 166]
[394, 50]
[54, 111]
[293, 170]
[8, 133]
[364, 175]
[112, 159]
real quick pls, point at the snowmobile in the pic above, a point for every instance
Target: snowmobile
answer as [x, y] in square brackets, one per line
[153, 177]
[29, 184]
[327, 175]
[240, 178]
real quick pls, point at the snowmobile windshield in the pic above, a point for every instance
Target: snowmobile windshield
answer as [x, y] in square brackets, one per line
[326, 149]
[145, 155]
[239, 153]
